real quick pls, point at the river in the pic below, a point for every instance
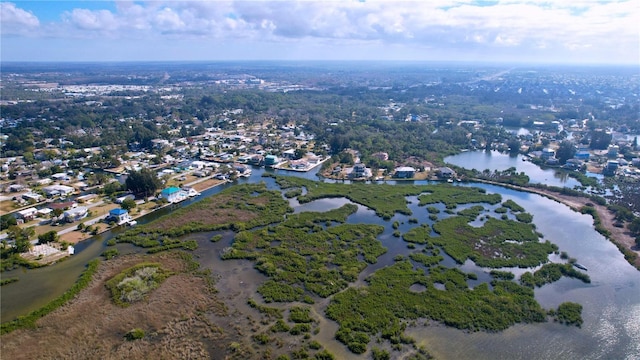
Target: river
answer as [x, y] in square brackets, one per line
[611, 303]
[495, 160]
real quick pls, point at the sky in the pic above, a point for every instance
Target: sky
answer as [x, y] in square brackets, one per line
[507, 31]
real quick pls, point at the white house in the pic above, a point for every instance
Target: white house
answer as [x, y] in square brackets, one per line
[32, 196]
[54, 190]
[120, 216]
[173, 194]
[61, 177]
[75, 214]
[27, 214]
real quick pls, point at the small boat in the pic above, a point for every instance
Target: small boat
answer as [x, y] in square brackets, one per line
[580, 266]
[132, 223]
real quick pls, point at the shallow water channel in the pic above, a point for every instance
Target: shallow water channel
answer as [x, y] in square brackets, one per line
[611, 303]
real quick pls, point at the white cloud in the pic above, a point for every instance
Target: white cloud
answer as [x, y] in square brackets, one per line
[101, 20]
[14, 20]
[535, 25]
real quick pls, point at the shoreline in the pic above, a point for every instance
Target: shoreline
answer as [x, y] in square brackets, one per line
[618, 236]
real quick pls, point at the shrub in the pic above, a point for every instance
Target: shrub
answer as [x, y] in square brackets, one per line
[134, 334]
[110, 253]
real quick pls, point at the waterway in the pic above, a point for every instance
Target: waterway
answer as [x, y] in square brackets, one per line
[611, 303]
[494, 160]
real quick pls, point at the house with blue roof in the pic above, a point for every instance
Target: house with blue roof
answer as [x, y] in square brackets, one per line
[120, 216]
[173, 194]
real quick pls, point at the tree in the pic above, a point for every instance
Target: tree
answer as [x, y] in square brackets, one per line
[600, 140]
[128, 204]
[566, 151]
[7, 220]
[21, 237]
[143, 182]
[50, 236]
[514, 146]
[634, 226]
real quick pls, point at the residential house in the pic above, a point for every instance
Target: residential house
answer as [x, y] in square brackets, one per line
[30, 196]
[404, 172]
[359, 171]
[61, 177]
[547, 153]
[27, 214]
[54, 190]
[271, 160]
[446, 173]
[120, 216]
[172, 194]
[75, 214]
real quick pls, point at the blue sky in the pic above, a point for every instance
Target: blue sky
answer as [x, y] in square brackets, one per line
[528, 31]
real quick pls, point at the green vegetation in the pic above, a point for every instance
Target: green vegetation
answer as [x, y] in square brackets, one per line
[216, 238]
[432, 210]
[135, 283]
[524, 217]
[293, 193]
[452, 196]
[298, 255]
[240, 207]
[28, 321]
[425, 259]
[570, 313]
[384, 199]
[300, 315]
[502, 275]
[110, 253]
[472, 212]
[360, 312]
[143, 183]
[8, 281]
[418, 235]
[134, 334]
[510, 204]
[549, 273]
[280, 326]
[498, 243]
[270, 312]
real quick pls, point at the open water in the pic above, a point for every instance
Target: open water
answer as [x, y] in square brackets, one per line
[611, 303]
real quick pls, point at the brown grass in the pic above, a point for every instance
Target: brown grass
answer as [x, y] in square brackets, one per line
[92, 327]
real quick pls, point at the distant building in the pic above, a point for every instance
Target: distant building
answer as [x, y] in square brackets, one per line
[30, 196]
[583, 155]
[55, 190]
[611, 168]
[120, 216]
[359, 171]
[404, 172]
[75, 214]
[446, 173]
[172, 194]
[61, 177]
[547, 153]
[270, 160]
[27, 214]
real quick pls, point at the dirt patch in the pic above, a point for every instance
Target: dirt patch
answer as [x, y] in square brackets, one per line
[206, 184]
[92, 327]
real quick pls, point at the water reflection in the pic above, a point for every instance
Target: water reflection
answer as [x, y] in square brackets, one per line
[494, 160]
